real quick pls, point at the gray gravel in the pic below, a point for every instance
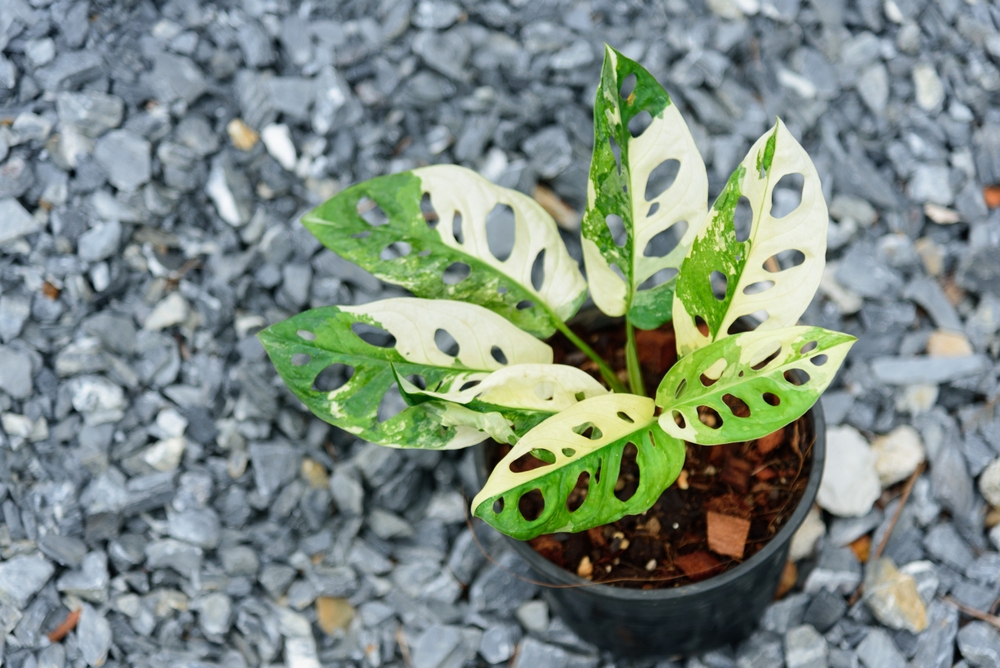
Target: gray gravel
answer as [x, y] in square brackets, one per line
[154, 473]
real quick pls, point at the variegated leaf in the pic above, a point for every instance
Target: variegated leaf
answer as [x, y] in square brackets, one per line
[429, 252]
[305, 345]
[587, 439]
[619, 187]
[754, 281]
[523, 394]
[751, 382]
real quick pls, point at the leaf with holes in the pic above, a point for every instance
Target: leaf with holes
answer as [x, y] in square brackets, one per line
[443, 344]
[471, 241]
[750, 384]
[524, 394]
[769, 265]
[644, 205]
[587, 442]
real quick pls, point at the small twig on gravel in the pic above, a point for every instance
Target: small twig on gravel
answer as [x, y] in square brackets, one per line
[892, 525]
[68, 625]
[404, 647]
[992, 620]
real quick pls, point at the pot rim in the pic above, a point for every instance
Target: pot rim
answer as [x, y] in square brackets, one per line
[561, 576]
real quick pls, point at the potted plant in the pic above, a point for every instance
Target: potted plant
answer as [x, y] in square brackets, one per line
[466, 359]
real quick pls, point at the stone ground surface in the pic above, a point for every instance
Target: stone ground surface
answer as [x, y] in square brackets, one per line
[154, 159]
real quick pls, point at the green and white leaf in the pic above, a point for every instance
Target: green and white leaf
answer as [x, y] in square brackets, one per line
[306, 344]
[716, 248]
[732, 367]
[428, 248]
[515, 398]
[622, 193]
[559, 441]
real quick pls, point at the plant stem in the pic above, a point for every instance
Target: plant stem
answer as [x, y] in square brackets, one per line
[606, 371]
[632, 361]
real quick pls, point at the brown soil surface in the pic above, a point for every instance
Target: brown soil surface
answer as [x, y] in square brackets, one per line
[747, 491]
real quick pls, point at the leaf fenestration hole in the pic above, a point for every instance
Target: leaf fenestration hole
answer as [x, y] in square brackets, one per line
[628, 85]
[653, 208]
[306, 334]
[529, 461]
[588, 430]
[666, 241]
[625, 417]
[427, 209]
[738, 407]
[681, 386]
[709, 417]
[372, 335]
[456, 228]
[616, 226]
[628, 473]
[498, 355]
[749, 323]
[446, 343]
[418, 381]
[701, 325]
[501, 229]
[808, 348]
[616, 152]
[538, 271]
[525, 304]
[395, 250]
[743, 219]
[759, 360]
[714, 372]
[531, 505]
[498, 506]
[786, 259]
[332, 378]
[796, 376]
[371, 212]
[640, 123]
[301, 359]
[720, 284]
[568, 452]
[579, 492]
[469, 384]
[657, 279]
[456, 273]
[758, 287]
[391, 405]
[771, 399]
[678, 419]
[661, 178]
[786, 195]
[580, 396]
[819, 360]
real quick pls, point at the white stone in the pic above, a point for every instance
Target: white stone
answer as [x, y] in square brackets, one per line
[898, 454]
[165, 455]
[225, 201]
[278, 141]
[97, 398]
[847, 302]
[171, 422]
[15, 222]
[989, 483]
[917, 399]
[172, 310]
[807, 535]
[929, 89]
[995, 536]
[850, 484]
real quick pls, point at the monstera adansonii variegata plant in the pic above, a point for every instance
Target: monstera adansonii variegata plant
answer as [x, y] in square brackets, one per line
[467, 354]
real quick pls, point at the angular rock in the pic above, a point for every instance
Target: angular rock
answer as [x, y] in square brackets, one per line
[893, 597]
[850, 484]
[838, 570]
[936, 645]
[91, 113]
[21, 577]
[93, 634]
[100, 242]
[979, 643]
[878, 651]
[90, 582]
[15, 373]
[15, 222]
[805, 648]
[125, 158]
[908, 371]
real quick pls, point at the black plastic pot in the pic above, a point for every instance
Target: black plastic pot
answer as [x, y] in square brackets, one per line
[646, 623]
